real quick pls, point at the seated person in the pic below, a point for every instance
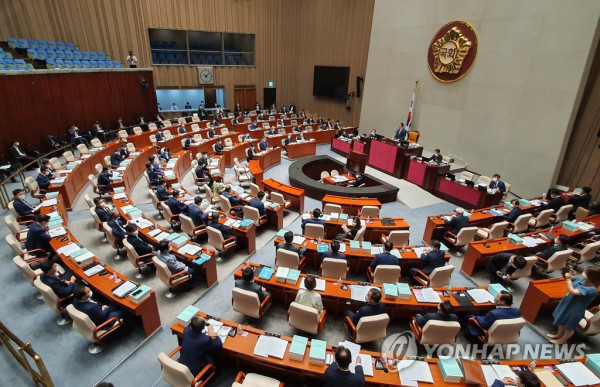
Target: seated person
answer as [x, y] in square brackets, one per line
[182, 129]
[102, 208]
[188, 142]
[99, 313]
[300, 137]
[159, 137]
[38, 237]
[502, 265]
[445, 313]
[334, 253]
[358, 180]
[503, 311]
[316, 214]
[253, 126]
[219, 147]
[556, 201]
[270, 132]
[162, 194]
[155, 166]
[247, 283]
[246, 137]
[280, 123]
[338, 373]
[350, 233]
[235, 201]
[263, 145]
[140, 247]
[457, 222]
[497, 184]
[62, 287]
[289, 245]
[117, 225]
[116, 159]
[257, 203]
[104, 179]
[152, 175]
[195, 213]
[373, 134]
[214, 223]
[175, 266]
[123, 150]
[218, 186]
[42, 178]
[437, 157]
[581, 200]
[176, 205]
[21, 205]
[385, 258]
[337, 125]
[525, 378]
[198, 348]
[164, 156]
[308, 297]
[288, 140]
[212, 132]
[298, 129]
[514, 213]
[560, 244]
[433, 259]
[373, 307]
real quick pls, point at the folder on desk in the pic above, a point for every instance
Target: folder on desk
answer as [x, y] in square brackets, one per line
[494, 289]
[322, 248]
[354, 246]
[298, 239]
[390, 291]
[119, 189]
[187, 314]
[317, 352]
[140, 294]
[451, 372]
[578, 374]
[292, 277]
[298, 347]
[473, 373]
[282, 232]
[246, 222]
[403, 291]
[266, 273]
[201, 259]
[462, 298]
[593, 362]
[51, 195]
[366, 247]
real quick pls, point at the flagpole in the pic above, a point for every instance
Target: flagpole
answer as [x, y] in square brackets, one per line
[409, 119]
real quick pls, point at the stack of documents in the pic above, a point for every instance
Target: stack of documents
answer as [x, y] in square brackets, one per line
[68, 249]
[411, 372]
[57, 231]
[298, 348]
[480, 296]
[190, 249]
[427, 295]
[298, 239]
[359, 292]
[185, 317]
[578, 374]
[496, 371]
[270, 346]
[318, 348]
[49, 202]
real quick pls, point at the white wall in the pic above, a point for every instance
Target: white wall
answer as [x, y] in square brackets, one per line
[511, 113]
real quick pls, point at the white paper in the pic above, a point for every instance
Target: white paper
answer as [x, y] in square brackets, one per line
[127, 207]
[489, 374]
[419, 251]
[190, 249]
[320, 284]
[120, 195]
[394, 252]
[84, 257]
[142, 223]
[366, 363]
[57, 231]
[480, 296]
[578, 374]
[376, 250]
[160, 237]
[49, 202]
[155, 232]
[431, 295]
[305, 216]
[298, 240]
[359, 292]
[229, 222]
[416, 371]
[270, 346]
[68, 249]
[93, 270]
[342, 248]
[503, 371]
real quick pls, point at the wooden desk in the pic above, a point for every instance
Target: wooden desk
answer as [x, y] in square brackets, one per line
[274, 216]
[147, 310]
[542, 294]
[351, 206]
[320, 136]
[78, 177]
[330, 180]
[375, 228]
[238, 150]
[425, 175]
[336, 300]
[301, 149]
[257, 172]
[266, 159]
[292, 194]
[386, 156]
[340, 147]
[464, 196]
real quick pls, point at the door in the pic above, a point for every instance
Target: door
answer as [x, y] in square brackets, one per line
[246, 97]
[210, 97]
[270, 97]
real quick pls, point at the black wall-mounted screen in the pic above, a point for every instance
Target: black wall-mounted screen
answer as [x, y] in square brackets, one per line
[331, 81]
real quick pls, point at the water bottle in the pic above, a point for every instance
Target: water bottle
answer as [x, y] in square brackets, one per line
[240, 329]
[319, 240]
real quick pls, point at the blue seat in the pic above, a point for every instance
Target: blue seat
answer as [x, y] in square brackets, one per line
[77, 55]
[50, 63]
[12, 43]
[29, 67]
[4, 55]
[93, 55]
[51, 45]
[50, 54]
[85, 64]
[117, 64]
[33, 44]
[68, 64]
[60, 46]
[101, 55]
[42, 44]
[70, 46]
[77, 64]
[93, 64]
[108, 64]
[59, 64]
[68, 54]
[31, 53]
[41, 54]
[85, 55]
[101, 64]
[20, 64]
[10, 64]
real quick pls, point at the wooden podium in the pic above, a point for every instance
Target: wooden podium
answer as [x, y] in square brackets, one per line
[356, 161]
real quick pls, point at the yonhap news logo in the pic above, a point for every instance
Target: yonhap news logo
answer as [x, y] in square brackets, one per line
[401, 346]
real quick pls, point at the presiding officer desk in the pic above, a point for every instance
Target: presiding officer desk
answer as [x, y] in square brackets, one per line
[240, 349]
[479, 252]
[336, 300]
[146, 310]
[359, 260]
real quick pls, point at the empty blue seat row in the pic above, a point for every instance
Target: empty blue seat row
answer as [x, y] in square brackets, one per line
[41, 44]
[41, 54]
[14, 64]
[82, 64]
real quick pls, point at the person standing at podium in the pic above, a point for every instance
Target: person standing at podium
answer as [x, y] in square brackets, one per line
[497, 184]
[401, 133]
[437, 157]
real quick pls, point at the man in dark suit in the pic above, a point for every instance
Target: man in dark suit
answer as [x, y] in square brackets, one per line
[253, 126]
[235, 201]
[116, 159]
[250, 153]
[338, 373]
[280, 122]
[50, 277]
[300, 137]
[246, 137]
[457, 221]
[373, 307]
[42, 178]
[52, 142]
[18, 155]
[22, 207]
[497, 184]
[182, 129]
[432, 259]
[401, 133]
[99, 313]
[203, 159]
[263, 145]
[218, 147]
[581, 200]
[288, 140]
[212, 132]
[188, 142]
[257, 203]
[153, 176]
[247, 283]
[335, 252]
[161, 191]
[437, 157]
[560, 244]
[337, 125]
[270, 132]
[316, 215]
[121, 124]
[556, 201]
[175, 205]
[76, 137]
[104, 179]
[358, 180]
[385, 258]
[237, 109]
[445, 313]
[102, 209]
[293, 109]
[155, 166]
[123, 150]
[289, 245]
[503, 311]
[514, 213]
[38, 236]
[214, 223]
[195, 212]
[140, 247]
[98, 132]
[501, 267]
[198, 348]
[117, 226]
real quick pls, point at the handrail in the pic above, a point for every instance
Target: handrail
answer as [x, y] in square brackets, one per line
[5, 196]
[40, 376]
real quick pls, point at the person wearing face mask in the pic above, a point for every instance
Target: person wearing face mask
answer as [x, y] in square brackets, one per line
[475, 324]
[373, 307]
[21, 205]
[560, 244]
[104, 179]
[497, 184]
[38, 237]
[373, 134]
[102, 209]
[19, 156]
[99, 313]
[141, 248]
[62, 287]
[581, 291]
[175, 266]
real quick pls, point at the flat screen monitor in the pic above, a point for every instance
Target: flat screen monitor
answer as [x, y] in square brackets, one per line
[331, 82]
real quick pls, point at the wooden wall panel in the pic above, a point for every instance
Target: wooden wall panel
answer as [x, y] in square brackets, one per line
[50, 102]
[291, 38]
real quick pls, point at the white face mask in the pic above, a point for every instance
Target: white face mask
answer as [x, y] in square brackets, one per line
[584, 275]
[21, 197]
[135, 233]
[90, 293]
